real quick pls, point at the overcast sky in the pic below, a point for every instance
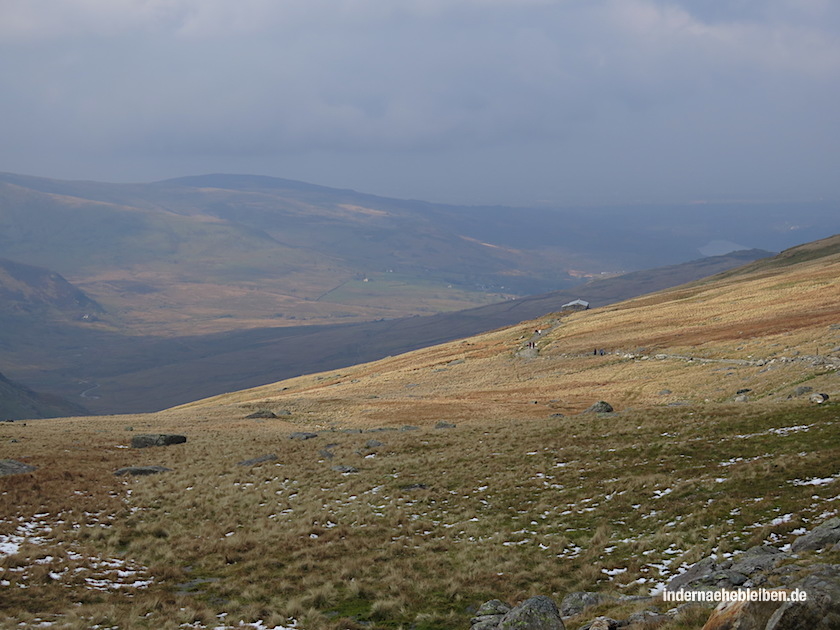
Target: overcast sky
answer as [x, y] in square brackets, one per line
[515, 102]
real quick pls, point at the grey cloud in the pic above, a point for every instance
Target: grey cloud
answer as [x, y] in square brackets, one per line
[724, 96]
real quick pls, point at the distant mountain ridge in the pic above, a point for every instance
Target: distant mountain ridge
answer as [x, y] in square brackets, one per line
[210, 253]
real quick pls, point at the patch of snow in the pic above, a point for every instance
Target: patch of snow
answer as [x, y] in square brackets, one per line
[817, 481]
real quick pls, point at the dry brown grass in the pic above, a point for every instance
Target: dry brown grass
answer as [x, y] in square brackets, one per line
[514, 501]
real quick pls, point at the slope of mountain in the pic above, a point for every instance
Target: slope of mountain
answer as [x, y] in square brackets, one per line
[25, 289]
[18, 402]
[134, 374]
[762, 328]
[226, 252]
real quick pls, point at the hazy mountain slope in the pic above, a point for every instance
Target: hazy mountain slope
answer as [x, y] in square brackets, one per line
[765, 331]
[172, 256]
[226, 252]
[26, 288]
[143, 374]
[18, 402]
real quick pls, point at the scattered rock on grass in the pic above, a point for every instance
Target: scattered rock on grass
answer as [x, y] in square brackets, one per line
[535, 613]
[302, 435]
[444, 425]
[818, 398]
[270, 457]
[14, 467]
[147, 440]
[600, 407]
[602, 623]
[575, 603]
[141, 470]
[345, 469]
[488, 615]
[263, 413]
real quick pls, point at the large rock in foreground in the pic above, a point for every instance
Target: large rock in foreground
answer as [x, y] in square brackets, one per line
[741, 615]
[820, 611]
[536, 613]
[825, 534]
[146, 440]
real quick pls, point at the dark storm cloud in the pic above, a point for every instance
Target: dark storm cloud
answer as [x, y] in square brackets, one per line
[467, 100]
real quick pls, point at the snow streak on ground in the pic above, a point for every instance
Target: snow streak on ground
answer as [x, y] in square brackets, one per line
[66, 564]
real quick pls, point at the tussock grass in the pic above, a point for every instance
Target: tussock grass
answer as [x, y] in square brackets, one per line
[509, 509]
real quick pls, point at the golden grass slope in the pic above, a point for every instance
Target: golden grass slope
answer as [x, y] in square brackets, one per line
[764, 330]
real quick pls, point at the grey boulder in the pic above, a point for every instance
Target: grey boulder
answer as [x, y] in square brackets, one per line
[600, 407]
[147, 440]
[535, 613]
[821, 536]
[821, 609]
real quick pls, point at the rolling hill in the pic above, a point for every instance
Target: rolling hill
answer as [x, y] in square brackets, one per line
[406, 491]
[763, 327]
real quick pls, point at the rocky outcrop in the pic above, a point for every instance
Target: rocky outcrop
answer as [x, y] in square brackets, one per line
[707, 574]
[757, 559]
[147, 440]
